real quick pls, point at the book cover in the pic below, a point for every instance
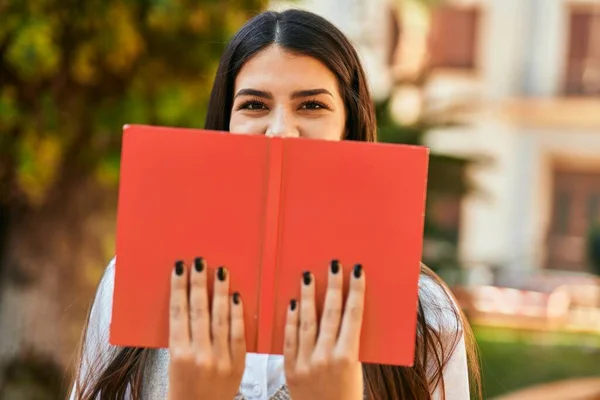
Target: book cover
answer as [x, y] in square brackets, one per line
[269, 209]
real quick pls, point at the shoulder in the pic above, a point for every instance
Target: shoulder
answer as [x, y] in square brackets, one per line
[95, 350]
[101, 309]
[437, 303]
[446, 341]
[104, 292]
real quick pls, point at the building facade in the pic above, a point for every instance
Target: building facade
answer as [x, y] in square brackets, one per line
[533, 69]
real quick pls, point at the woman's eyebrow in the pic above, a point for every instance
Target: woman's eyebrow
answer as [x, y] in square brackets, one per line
[309, 93]
[254, 92]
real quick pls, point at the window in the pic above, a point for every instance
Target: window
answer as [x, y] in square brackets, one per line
[453, 37]
[583, 54]
[576, 205]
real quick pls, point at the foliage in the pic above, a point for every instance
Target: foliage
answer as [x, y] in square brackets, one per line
[74, 72]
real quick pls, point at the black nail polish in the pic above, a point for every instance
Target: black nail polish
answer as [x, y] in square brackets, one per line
[357, 271]
[236, 298]
[179, 268]
[335, 266]
[222, 274]
[199, 264]
[307, 277]
[293, 304]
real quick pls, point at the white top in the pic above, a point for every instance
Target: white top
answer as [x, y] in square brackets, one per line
[264, 373]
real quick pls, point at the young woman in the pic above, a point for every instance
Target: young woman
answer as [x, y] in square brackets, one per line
[283, 74]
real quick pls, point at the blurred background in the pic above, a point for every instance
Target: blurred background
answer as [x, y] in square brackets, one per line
[506, 93]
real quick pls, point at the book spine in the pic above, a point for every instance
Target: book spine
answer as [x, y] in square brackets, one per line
[266, 303]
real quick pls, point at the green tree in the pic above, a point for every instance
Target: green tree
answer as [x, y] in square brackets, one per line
[72, 73]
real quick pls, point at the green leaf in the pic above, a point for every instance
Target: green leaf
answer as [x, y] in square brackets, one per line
[33, 53]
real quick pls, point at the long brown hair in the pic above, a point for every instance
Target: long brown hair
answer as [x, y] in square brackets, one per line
[302, 32]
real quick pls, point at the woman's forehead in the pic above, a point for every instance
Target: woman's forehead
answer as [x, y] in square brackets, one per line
[276, 68]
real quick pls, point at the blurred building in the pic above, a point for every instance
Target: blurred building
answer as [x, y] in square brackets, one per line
[533, 70]
[523, 78]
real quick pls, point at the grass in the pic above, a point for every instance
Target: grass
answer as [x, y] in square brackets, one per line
[513, 359]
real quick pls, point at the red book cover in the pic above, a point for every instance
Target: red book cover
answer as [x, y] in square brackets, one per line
[269, 209]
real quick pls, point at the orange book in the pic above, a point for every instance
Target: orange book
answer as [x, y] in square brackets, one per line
[269, 209]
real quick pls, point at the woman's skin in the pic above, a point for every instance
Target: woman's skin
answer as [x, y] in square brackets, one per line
[277, 93]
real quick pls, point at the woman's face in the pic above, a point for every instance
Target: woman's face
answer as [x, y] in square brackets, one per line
[278, 93]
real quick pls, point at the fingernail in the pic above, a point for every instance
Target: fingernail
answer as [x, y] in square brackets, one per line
[335, 266]
[293, 304]
[357, 271]
[179, 268]
[222, 274]
[199, 264]
[236, 298]
[307, 278]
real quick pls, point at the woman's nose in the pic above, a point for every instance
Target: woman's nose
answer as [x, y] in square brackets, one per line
[282, 124]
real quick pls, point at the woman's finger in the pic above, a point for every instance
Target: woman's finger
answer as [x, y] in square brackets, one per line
[332, 311]
[349, 339]
[308, 319]
[238, 332]
[199, 306]
[179, 326]
[220, 316]
[290, 345]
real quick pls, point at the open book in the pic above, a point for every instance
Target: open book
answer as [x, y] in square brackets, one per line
[269, 209]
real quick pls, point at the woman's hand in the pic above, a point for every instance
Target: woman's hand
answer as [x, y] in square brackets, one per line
[326, 367]
[207, 349]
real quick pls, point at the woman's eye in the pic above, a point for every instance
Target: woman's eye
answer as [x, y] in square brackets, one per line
[313, 105]
[253, 105]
